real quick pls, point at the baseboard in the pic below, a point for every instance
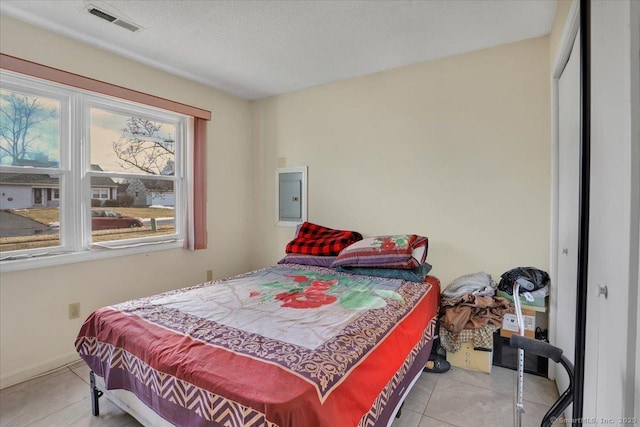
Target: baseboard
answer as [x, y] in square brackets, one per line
[37, 370]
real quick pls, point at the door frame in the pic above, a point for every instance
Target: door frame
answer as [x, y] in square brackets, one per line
[579, 18]
[635, 178]
[560, 61]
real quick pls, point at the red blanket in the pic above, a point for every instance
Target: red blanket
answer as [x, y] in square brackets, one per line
[315, 239]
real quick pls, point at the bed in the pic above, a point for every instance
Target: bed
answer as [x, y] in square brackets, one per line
[285, 346]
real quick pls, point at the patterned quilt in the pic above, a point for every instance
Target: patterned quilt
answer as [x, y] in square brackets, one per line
[285, 346]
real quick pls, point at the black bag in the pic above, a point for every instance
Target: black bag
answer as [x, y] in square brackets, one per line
[538, 278]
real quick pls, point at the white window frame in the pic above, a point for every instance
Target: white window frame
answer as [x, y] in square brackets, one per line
[75, 174]
[101, 191]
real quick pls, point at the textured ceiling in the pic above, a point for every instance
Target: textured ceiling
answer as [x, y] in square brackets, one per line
[255, 49]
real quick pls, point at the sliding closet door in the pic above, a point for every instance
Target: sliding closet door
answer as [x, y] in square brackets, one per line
[568, 205]
[612, 338]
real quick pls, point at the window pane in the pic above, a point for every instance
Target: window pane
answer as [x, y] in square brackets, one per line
[133, 144]
[102, 193]
[142, 208]
[29, 211]
[29, 130]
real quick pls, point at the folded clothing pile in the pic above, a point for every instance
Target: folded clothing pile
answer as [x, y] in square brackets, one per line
[476, 284]
[470, 311]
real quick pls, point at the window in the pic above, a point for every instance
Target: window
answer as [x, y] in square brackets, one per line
[100, 193]
[81, 172]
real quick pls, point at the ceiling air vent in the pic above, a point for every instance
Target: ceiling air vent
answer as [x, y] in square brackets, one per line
[113, 19]
[100, 14]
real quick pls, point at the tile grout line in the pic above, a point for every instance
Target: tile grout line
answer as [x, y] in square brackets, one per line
[55, 412]
[424, 413]
[429, 399]
[78, 375]
[427, 415]
[502, 392]
[39, 377]
[58, 371]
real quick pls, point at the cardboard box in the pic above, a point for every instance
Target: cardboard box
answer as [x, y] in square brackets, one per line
[510, 324]
[469, 358]
[537, 301]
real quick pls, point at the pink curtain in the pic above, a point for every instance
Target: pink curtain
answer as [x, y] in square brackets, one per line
[199, 216]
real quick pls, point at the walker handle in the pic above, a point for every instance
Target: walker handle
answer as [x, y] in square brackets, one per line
[537, 347]
[526, 284]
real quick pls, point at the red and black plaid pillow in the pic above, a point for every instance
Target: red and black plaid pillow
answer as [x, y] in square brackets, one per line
[314, 239]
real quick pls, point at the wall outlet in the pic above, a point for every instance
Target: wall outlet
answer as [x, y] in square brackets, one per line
[209, 275]
[74, 310]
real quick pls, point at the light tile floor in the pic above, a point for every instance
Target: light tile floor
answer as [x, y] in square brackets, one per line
[458, 398]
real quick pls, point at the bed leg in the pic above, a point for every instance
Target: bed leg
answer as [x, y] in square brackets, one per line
[399, 414]
[95, 394]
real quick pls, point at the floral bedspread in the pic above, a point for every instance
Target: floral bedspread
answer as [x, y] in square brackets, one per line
[279, 346]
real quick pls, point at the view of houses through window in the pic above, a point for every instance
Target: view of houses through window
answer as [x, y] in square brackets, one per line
[108, 171]
[132, 173]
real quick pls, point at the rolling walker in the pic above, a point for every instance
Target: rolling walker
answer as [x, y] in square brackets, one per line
[539, 348]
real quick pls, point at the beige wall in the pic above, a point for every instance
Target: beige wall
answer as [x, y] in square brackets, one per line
[456, 149]
[35, 333]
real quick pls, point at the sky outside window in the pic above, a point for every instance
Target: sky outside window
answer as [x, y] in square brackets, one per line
[131, 144]
[29, 130]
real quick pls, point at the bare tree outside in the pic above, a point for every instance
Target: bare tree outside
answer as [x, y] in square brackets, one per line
[20, 117]
[142, 146]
